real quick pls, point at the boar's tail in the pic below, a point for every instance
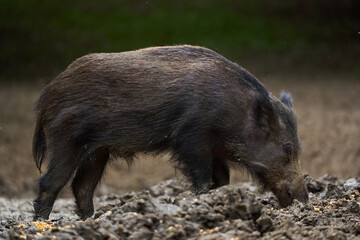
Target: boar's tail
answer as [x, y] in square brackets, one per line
[39, 143]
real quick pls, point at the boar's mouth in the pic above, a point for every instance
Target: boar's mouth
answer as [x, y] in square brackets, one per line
[285, 191]
[286, 194]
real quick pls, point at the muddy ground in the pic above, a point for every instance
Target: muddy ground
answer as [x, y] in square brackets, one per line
[169, 211]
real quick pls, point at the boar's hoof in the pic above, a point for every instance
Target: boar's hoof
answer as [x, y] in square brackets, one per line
[204, 188]
[41, 213]
[84, 214]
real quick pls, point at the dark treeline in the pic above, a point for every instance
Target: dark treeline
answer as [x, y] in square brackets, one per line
[40, 38]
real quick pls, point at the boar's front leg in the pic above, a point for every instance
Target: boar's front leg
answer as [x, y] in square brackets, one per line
[195, 161]
[220, 173]
[87, 177]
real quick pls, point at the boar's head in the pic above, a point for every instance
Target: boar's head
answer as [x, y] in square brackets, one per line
[274, 149]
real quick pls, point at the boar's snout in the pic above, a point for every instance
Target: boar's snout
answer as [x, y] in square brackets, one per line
[288, 194]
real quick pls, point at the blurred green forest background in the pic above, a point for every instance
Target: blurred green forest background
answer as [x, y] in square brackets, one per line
[39, 39]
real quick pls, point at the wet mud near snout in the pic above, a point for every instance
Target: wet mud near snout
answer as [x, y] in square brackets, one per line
[169, 211]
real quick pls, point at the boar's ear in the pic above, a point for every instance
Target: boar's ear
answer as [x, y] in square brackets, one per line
[264, 114]
[286, 98]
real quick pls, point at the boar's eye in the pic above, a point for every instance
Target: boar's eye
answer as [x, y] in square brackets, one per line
[288, 150]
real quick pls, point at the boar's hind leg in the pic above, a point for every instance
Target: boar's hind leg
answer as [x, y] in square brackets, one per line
[220, 173]
[87, 177]
[60, 169]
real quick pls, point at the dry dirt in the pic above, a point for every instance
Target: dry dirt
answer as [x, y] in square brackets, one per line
[328, 110]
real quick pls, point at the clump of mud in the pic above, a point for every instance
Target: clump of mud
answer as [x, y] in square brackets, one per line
[169, 211]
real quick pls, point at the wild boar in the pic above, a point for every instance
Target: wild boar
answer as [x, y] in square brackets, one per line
[208, 111]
